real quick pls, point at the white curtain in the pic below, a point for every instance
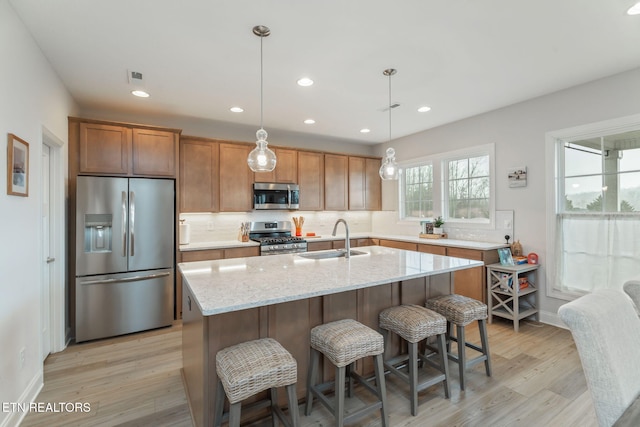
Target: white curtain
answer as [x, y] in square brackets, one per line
[596, 251]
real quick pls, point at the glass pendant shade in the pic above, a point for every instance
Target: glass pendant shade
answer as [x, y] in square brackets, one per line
[261, 158]
[389, 167]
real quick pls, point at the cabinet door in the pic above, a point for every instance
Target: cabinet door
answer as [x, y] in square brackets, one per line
[199, 167]
[398, 245]
[241, 252]
[286, 170]
[311, 180]
[335, 182]
[104, 149]
[236, 179]
[357, 184]
[154, 152]
[204, 255]
[432, 249]
[373, 185]
[469, 282]
[319, 246]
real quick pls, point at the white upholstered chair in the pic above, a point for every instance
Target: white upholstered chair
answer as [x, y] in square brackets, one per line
[632, 288]
[606, 330]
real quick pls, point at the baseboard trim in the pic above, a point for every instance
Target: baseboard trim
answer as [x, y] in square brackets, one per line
[552, 319]
[29, 395]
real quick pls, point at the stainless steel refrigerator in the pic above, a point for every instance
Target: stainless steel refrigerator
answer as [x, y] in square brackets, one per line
[124, 255]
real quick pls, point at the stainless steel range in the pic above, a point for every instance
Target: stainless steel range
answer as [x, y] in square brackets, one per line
[275, 238]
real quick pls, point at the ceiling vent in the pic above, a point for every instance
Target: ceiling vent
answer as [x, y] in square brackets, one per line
[134, 77]
[390, 107]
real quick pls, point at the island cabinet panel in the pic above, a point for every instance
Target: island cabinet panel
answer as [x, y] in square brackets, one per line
[154, 152]
[236, 179]
[199, 167]
[336, 189]
[470, 282]
[311, 180]
[286, 170]
[104, 149]
[195, 363]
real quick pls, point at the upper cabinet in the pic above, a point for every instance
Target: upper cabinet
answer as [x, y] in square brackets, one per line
[311, 180]
[336, 189]
[199, 175]
[365, 185]
[115, 149]
[286, 170]
[236, 179]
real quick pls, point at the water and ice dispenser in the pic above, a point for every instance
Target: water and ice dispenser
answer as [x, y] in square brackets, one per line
[98, 233]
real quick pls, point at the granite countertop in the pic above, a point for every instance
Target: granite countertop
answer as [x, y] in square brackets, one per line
[235, 284]
[466, 244]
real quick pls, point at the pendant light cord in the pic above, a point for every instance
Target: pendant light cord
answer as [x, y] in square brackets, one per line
[390, 74]
[261, 84]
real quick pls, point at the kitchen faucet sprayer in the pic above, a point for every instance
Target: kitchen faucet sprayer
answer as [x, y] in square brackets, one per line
[347, 245]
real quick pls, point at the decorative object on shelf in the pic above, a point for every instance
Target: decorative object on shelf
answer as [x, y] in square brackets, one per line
[298, 222]
[516, 248]
[389, 168]
[426, 227]
[505, 256]
[261, 158]
[432, 236]
[185, 232]
[532, 258]
[518, 176]
[17, 166]
[437, 225]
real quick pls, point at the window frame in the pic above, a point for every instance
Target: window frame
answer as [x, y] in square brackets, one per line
[439, 163]
[554, 142]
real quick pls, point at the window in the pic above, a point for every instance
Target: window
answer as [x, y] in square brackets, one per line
[596, 215]
[457, 185]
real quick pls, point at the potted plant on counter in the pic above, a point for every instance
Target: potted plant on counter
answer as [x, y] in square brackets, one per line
[437, 225]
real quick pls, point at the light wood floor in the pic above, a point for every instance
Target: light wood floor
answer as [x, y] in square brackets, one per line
[136, 381]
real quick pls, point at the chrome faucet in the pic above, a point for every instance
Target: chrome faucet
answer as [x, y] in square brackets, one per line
[346, 240]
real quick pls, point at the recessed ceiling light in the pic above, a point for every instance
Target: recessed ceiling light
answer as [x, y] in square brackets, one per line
[634, 10]
[309, 122]
[305, 81]
[365, 130]
[140, 93]
[424, 109]
[236, 109]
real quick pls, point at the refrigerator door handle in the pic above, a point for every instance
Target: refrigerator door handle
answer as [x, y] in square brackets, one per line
[132, 221]
[125, 279]
[124, 223]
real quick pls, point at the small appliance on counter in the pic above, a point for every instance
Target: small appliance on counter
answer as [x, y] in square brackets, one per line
[185, 232]
[275, 238]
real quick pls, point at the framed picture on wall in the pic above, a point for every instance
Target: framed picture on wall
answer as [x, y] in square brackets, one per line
[17, 166]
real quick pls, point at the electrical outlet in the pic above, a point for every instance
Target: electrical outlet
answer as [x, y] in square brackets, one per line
[210, 226]
[22, 357]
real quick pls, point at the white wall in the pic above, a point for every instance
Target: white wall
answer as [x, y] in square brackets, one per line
[518, 133]
[31, 98]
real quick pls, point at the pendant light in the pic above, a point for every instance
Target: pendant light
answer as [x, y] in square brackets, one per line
[389, 168]
[261, 158]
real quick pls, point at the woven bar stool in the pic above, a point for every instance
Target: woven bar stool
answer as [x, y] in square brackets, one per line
[414, 324]
[343, 342]
[249, 368]
[460, 311]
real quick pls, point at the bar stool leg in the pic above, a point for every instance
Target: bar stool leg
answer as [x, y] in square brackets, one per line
[234, 414]
[311, 379]
[482, 323]
[339, 398]
[413, 376]
[462, 360]
[444, 363]
[273, 394]
[381, 387]
[293, 404]
[219, 404]
[349, 380]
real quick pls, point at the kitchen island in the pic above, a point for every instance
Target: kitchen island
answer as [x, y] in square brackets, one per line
[226, 302]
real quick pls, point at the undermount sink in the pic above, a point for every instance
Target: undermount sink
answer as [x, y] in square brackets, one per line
[333, 253]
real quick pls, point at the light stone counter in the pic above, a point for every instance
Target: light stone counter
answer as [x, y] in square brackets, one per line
[228, 285]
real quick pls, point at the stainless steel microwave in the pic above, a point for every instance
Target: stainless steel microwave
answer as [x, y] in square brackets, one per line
[276, 196]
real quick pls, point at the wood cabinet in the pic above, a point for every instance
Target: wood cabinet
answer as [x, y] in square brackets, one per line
[286, 170]
[319, 246]
[365, 185]
[236, 179]
[432, 249]
[311, 180]
[199, 175]
[399, 245]
[336, 188]
[112, 149]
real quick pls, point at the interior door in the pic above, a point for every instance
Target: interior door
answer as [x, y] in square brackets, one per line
[151, 223]
[47, 252]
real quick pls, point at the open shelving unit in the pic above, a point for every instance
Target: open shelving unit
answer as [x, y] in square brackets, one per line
[505, 297]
